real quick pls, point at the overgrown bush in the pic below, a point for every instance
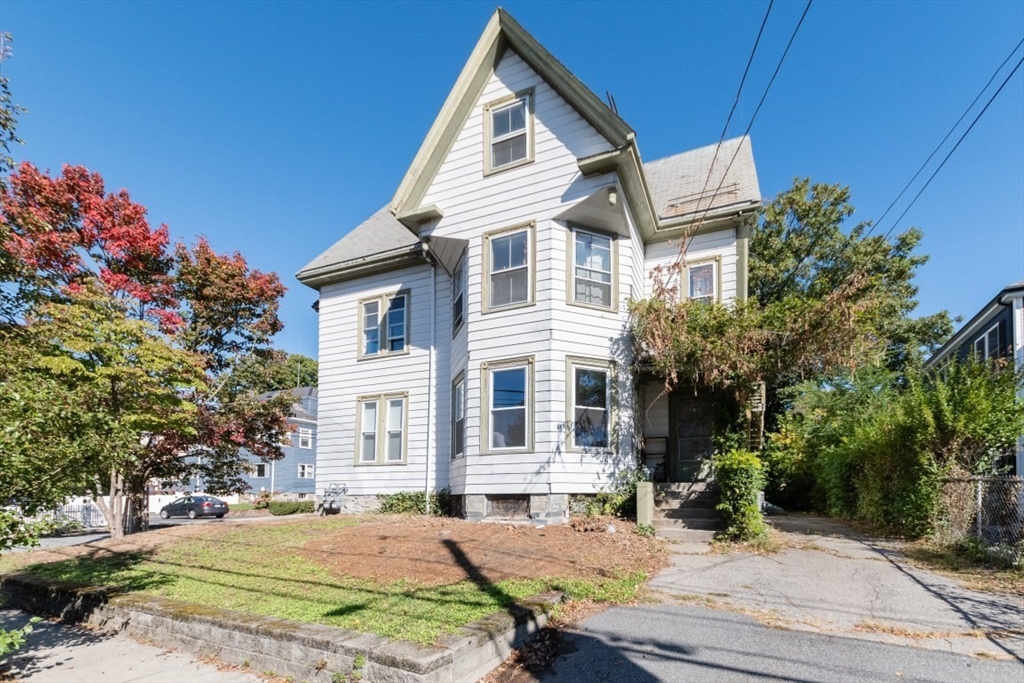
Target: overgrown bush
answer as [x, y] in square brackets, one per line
[262, 501]
[740, 478]
[618, 500]
[875, 446]
[415, 503]
[290, 507]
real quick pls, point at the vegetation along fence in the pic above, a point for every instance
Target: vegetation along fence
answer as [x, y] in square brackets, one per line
[984, 511]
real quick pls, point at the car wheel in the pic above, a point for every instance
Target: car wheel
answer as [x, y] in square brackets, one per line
[192, 514]
[220, 516]
[163, 514]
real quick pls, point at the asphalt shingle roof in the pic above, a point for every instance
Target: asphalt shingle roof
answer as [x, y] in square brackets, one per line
[680, 184]
[378, 234]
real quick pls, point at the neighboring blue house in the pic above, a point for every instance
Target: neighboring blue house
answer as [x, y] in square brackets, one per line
[996, 331]
[294, 475]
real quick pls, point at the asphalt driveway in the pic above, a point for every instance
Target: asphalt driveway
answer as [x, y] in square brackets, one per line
[836, 606]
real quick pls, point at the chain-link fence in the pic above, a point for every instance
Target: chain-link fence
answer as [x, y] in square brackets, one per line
[984, 510]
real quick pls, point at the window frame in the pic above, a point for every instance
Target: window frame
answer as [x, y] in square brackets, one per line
[988, 352]
[383, 306]
[530, 228]
[255, 472]
[459, 381]
[306, 434]
[459, 280]
[716, 263]
[305, 466]
[572, 231]
[381, 432]
[572, 363]
[526, 96]
[488, 367]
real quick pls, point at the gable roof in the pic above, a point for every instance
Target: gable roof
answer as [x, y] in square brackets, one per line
[502, 33]
[1003, 298]
[379, 240]
[682, 187]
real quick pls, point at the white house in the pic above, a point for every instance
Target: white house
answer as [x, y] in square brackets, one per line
[474, 332]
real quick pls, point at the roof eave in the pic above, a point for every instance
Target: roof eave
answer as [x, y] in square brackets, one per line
[1003, 298]
[319, 277]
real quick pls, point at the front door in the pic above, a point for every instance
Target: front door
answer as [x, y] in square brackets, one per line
[690, 424]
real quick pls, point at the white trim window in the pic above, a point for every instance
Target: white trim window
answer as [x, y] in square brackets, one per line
[987, 345]
[382, 426]
[510, 268]
[286, 438]
[306, 471]
[458, 418]
[591, 406]
[509, 407]
[510, 133]
[305, 438]
[259, 470]
[592, 272]
[458, 297]
[703, 281]
[384, 323]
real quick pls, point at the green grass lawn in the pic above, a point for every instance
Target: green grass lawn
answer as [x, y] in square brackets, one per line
[239, 507]
[261, 570]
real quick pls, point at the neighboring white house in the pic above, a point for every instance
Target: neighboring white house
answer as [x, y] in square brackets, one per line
[474, 332]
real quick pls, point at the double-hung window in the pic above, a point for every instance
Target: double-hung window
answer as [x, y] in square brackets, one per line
[593, 274]
[703, 281]
[458, 297]
[382, 427]
[384, 325]
[305, 438]
[509, 259]
[259, 471]
[987, 346]
[590, 394]
[509, 132]
[458, 417]
[509, 405]
[305, 471]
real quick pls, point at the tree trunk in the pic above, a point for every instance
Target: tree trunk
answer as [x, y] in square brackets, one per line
[113, 510]
[136, 515]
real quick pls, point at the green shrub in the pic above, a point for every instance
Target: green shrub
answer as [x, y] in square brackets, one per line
[415, 503]
[290, 507]
[262, 501]
[740, 478]
[618, 501]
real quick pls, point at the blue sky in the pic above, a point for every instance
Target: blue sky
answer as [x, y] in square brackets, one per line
[273, 128]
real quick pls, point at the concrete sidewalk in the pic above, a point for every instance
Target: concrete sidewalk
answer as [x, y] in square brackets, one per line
[57, 653]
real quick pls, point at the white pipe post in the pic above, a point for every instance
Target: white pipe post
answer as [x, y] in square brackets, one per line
[430, 384]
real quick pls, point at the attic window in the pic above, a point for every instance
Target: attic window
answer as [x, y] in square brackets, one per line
[509, 132]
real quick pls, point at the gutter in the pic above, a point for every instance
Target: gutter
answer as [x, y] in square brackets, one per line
[318, 277]
[1002, 299]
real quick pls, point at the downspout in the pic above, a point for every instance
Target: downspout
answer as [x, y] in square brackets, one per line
[743, 258]
[430, 376]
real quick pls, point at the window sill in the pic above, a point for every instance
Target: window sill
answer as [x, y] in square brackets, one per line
[382, 464]
[378, 356]
[593, 307]
[509, 307]
[488, 171]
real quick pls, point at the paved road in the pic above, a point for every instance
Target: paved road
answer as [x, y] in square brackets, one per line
[695, 644]
[59, 654]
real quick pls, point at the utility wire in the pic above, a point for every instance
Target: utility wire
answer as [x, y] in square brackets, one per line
[969, 128]
[939, 146]
[750, 125]
[739, 91]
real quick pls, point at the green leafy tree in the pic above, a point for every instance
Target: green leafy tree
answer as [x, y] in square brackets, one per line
[278, 370]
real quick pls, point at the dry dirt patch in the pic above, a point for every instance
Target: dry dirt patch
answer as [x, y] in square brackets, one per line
[437, 551]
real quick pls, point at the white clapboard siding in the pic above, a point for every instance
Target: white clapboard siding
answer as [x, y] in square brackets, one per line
[719, 244]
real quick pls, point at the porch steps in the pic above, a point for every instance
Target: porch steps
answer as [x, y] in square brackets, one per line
[686, 511]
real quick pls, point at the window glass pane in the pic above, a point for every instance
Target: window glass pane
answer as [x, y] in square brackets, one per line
[593, 252]
[507, 151]
[591, 428]
[591, 388]
[517, 116]
[394, 445]
[395, 414]
[457, 299]
[371, 334]
[992, 342]
[593, 293]
[369, 452]
[396, 324]
[508, 387]
[702, 281]
[370, 416]
[979, 347]
[501, 122]
[500, 253]
[518, 249]
[510, 287]
[509, 428]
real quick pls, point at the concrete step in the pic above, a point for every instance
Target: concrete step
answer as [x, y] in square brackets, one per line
[689, 486]
[705, 503]
[687, 535]
[686, 513]
[706, 524]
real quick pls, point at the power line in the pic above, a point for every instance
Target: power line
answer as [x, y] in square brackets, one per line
[939, 146]
[739, 91]
[969, 128]
[750, 125]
